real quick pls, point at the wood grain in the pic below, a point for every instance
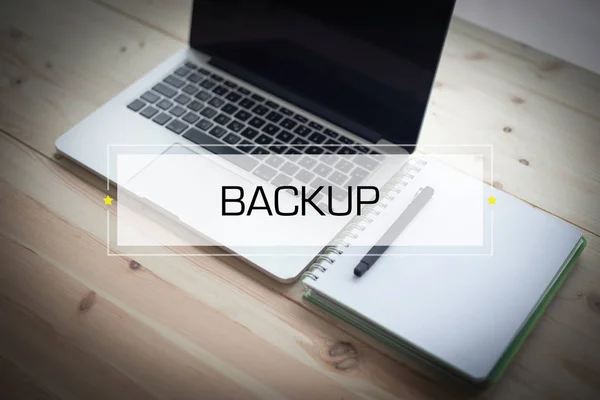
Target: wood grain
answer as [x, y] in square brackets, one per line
[84, 325]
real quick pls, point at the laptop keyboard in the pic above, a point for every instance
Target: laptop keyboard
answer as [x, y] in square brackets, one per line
[211, 111]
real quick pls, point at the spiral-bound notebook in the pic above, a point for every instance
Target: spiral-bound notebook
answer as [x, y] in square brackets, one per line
[465, 312]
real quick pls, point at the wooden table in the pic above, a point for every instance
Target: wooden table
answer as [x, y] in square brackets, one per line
[77, 324]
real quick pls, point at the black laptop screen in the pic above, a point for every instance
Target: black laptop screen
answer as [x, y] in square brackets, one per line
[366, 66]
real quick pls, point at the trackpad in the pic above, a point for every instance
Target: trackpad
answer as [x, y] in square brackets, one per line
[191, 186]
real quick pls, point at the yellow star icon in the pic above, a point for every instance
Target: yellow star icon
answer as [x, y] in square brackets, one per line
[108, 200]
[491, 200]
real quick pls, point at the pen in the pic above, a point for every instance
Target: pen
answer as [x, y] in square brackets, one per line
[421, 198]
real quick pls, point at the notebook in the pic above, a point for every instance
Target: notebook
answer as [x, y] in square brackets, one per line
[457, 291]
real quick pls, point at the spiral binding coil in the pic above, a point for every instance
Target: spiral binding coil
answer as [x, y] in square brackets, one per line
[359, 223]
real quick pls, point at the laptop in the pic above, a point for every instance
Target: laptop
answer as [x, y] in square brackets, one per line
[262, 79]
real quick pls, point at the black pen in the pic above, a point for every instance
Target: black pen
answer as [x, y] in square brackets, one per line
[419, 201]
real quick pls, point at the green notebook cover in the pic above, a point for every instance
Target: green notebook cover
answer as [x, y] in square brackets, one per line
[404, 347]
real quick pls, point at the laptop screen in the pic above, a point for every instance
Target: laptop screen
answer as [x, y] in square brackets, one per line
[365, 66]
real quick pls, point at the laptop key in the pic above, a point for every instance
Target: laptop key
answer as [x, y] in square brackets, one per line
[230, 84]
[162, 118]
[195, 105]
[365, 162]
[265, 172]
[281, 180]
[270, 129]
[182, 99]
[208, 112]
[243, 115]
[246, 103]
[286, 111]
[274, 116]
[235, 126]
[174, 81]
[190, 65]
[164, 90]
[240, 159]
[232, 138]
[332, 146]
[216, 102]
[331, 133]
[149, 112]
[233, 97]
[275, 161]
[249, 133]
[190, 89]
[278, 148]
[182, 71]
[359, 173]
[220, 90]
[177, 111]
[338, 193]
[260, 151]
[245, 146]
[136, 105]
[315, 126]
[150, 97]
[345, 140]
[300, 118]
[191, 118]
[229, 108]
[288, 123]
[293, 150]
[256, 122]
[304, 176]
[164, 104]
[316, 137]
[272, 104]
[304, 131]
[338, 178]
[307, 162]
[344, 166]
[177, 126]
[194, 78]
[257, 97]
[203, 95]
[329, 159]
[260, 110]
[218, 131]
[243, 91]
[222, 119]
[322, 170]
[314, 150]
[204, 71]
[217, 77]
[208, 84]
[204, 124]
[264, 139]
[346, 150]
[290, 168]
[285, 136]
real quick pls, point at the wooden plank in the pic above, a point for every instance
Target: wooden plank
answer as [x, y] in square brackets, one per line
[62, 60]
[50, 312]
[14, 384]
[540, 115]
[242, 301]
